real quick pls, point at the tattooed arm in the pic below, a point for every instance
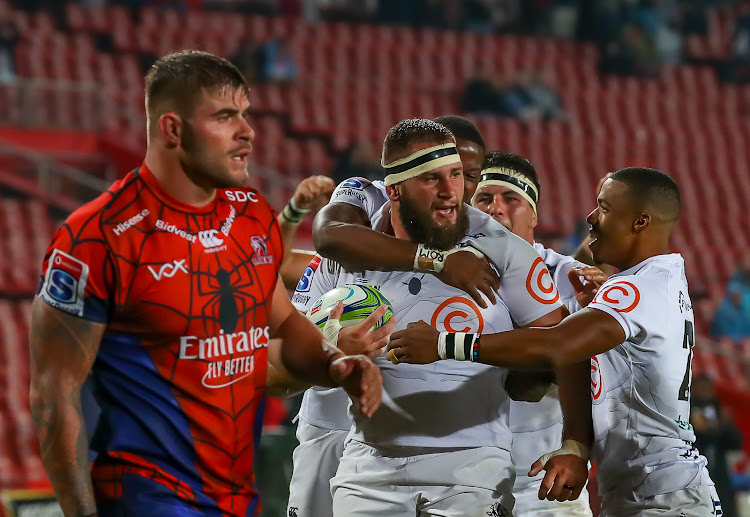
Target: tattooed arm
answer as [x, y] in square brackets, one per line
[63, 348]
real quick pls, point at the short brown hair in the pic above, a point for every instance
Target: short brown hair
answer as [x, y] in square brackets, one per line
[409, 132]
[177, 81]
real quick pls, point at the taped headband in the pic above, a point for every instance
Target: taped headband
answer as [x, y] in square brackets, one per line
[421, 161]
[511, 179]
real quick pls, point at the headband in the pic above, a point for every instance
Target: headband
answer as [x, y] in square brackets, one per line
[421, 161]
[511, 179]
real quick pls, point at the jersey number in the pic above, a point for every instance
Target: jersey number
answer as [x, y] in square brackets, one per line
[688, 341]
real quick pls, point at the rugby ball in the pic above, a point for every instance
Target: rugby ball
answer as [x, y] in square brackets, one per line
[359, 302]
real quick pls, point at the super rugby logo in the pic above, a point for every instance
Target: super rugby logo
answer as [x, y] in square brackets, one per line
[306, 279]
[539, 283]
[596, 379]
[65, 283]
[622, 296]
[356, 183]
[458, 314]
[222, 369]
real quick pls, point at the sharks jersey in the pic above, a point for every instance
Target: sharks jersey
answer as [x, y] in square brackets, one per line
[537, 426]
[641, 388]
[446, 404]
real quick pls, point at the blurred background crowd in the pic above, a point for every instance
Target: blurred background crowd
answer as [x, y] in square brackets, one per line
[580, 87]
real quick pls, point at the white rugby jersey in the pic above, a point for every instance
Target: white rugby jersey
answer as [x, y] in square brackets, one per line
[641, 388]
[363, 193]
[537, 426]
[446, 404]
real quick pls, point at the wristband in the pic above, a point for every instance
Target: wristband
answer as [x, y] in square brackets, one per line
[292, 213]
[461, 346]
[568, 447]
[430, 259]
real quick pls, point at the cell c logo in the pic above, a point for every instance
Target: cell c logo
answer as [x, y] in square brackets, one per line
[539, 283]
[596, 379]
[468, 320]
[621, 296]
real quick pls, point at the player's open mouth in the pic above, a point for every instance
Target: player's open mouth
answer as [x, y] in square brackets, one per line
[241, 156]
[447, 213]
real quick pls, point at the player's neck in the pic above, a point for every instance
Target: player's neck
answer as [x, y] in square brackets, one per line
[645, 252]
[175, 182]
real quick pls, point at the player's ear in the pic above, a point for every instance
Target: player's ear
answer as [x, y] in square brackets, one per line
[170, 127]
[392, 192]
[534, 221]
[641, 222]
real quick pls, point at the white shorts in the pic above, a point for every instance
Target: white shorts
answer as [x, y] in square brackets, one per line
[529, 505]
[463, 483]
[315, 460]
[695, 501]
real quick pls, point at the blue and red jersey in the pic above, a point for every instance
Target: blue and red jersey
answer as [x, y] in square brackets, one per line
[180, 372]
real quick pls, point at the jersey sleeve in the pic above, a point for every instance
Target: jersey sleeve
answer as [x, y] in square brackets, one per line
[526, 285]
[630, 301]
[318, 279]
[78, 272]
[359, 192]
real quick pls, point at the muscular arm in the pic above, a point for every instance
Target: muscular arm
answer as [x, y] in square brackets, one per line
[303, 352]
[577, 338]
[532, 386]
[341, 233]
[63, 348]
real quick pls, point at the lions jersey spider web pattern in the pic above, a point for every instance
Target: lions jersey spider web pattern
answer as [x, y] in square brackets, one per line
[180, 373]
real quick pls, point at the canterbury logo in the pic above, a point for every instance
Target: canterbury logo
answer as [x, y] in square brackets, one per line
[168, 270]
[209, 239]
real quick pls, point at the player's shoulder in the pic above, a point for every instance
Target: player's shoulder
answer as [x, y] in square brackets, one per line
[117, 198]
[357, 184]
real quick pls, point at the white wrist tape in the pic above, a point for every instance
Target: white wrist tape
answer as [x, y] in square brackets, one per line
[461, 346]
[568, 447]
[331, 331]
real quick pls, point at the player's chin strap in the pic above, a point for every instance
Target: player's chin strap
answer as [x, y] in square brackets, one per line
[433, 260]
[568, 447]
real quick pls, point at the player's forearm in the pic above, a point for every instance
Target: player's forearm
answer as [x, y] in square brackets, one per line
[574, 387]
[63, 442]
[358, 247]
[304, 353]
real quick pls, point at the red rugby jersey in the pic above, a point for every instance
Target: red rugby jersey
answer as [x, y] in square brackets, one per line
[181, 370]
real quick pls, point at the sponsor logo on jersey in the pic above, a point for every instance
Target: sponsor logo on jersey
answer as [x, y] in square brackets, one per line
[348, 192]
[260, 250]
[355, 183]
[300, 299]
[171, 228]
[684, 305]
[222, 368]
[458, 314]
[497, 510]
[241, 196]
[306, 279]
[168, 270]
[209, 239]
[126, 225]
[65, 283]
[596, 379]
[539, 283]
[622, 296]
